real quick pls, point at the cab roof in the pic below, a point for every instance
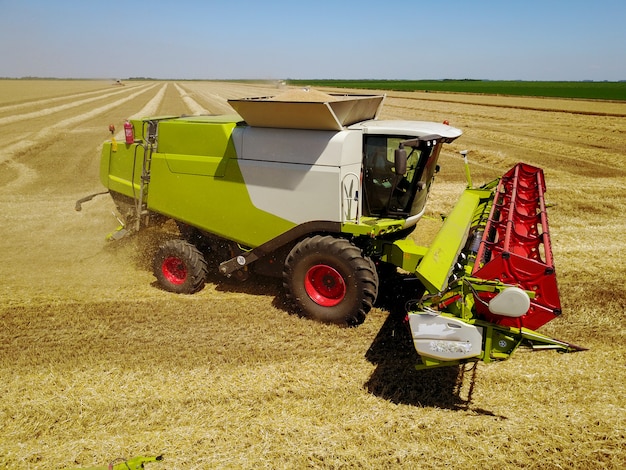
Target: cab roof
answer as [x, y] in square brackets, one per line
[407, 128]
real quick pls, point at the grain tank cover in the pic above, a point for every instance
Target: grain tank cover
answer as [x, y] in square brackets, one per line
[308, 109]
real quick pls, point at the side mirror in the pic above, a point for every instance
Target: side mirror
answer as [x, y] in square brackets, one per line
[399, 160]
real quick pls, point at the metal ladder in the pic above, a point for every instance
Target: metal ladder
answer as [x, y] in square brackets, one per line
[149, 145]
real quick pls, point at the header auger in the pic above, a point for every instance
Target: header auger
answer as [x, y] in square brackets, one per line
[313, 188]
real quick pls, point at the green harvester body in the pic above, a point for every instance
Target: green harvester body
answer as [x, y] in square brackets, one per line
[326, 195]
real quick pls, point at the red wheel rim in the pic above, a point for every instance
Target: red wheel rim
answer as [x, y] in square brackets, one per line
[324, 285]
[174, 270]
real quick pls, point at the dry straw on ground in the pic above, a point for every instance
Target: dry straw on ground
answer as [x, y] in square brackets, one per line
[97, 363]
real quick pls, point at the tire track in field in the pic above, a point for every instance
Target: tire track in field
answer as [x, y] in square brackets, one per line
[47, 101]
[520, 107]
[55, 109]
[25, 174]
[216, 102]
[190, 102]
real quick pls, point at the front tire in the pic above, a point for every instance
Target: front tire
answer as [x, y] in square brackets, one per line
[328, 279]
[180, 267]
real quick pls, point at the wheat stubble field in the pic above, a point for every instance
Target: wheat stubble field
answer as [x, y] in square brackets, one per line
[97, 363]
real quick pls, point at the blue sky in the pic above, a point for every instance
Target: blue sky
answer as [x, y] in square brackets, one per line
[385, 39]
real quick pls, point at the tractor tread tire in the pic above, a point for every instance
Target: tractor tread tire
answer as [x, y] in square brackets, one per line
[189, 257]
[358, 272]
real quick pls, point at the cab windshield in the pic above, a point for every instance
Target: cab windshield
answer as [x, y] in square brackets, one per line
[388, 194]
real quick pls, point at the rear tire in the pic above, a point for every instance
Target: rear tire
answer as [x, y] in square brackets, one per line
[328, 279]
[180, 267]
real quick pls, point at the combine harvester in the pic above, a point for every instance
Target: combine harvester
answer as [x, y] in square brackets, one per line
[315, 189]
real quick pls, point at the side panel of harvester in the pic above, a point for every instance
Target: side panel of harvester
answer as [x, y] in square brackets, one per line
[301, 175]
[245, 184]
[203, 186]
